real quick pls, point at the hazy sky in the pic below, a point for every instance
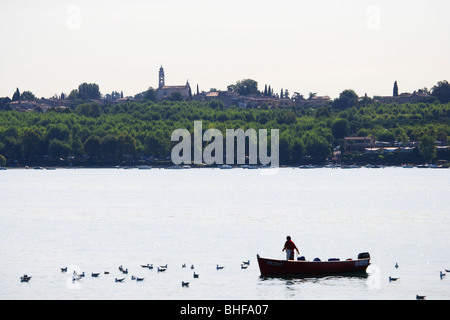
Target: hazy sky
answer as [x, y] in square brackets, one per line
[321, 46]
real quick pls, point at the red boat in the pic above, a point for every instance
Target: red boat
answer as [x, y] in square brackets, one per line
[272, 267]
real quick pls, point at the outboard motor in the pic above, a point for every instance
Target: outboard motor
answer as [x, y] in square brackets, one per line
[364, 255]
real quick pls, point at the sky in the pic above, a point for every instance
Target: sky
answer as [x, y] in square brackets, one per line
[321, 46]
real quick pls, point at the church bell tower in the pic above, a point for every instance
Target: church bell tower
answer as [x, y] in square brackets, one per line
[161, 78]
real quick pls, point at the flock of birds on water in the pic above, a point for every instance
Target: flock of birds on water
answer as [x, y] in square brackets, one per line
[124, 271]
[78, 276]
[419, 297]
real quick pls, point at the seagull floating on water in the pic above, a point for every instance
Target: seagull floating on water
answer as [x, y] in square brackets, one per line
[76, 276]
[119, 280]
[195, 275]
[161, 269]
[150, 266]
[124, 271]
[246, 262]
[183, 265]
[95, 275]
[192, 266]
[64, 269]
[442, 275]
[393, 279]
[420, 297]
[446, 270]
[137, 278]
[184, 284]
[25, 278]
[396, 265]
[219, 268]
[243, 266]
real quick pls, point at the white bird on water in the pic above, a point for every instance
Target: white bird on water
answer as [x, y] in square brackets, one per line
[76, 276]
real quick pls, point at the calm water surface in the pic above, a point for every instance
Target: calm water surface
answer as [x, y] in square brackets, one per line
[94, 220]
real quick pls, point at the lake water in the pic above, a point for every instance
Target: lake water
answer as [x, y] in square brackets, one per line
[94, 220]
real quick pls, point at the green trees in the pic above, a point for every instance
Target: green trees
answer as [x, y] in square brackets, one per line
[27, 96]
[347, 99]
[427, 148]
[442, 91]
[86, 91]
[150, 94]
[93, 147]
[58, 149]
[131, 131]
[16, 95]
[176, 96]
[4, 104]
[316, 146]
[395, 91]
[245, 87]
[110, 149]
[157, 144]
[32, 144]
[89, 110]
[126, 146]
[287, 117]
[340, 129]
[58, 131]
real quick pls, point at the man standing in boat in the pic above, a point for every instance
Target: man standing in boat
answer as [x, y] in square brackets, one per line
[290, 246]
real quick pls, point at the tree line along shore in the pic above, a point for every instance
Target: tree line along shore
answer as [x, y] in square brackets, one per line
[139, 132]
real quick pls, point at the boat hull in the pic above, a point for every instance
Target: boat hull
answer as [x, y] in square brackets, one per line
[272, 267]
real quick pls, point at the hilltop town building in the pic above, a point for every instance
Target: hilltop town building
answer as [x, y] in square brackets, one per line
[317, 100]
[405, 98]
[166, 92]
